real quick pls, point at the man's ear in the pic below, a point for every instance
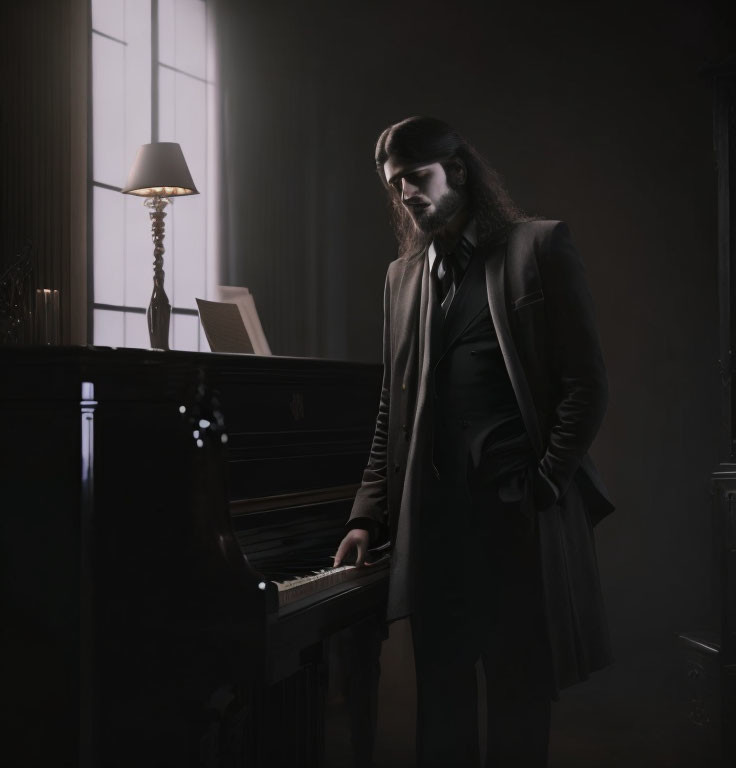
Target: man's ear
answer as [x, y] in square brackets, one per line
[457, 172]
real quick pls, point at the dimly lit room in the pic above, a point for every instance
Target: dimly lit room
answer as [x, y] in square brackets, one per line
[255, 258]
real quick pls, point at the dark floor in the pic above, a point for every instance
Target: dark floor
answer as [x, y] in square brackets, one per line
[633, 715]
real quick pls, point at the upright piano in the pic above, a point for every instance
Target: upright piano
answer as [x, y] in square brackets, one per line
[167, 523]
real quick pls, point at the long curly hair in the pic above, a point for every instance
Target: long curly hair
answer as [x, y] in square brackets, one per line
[428, 140]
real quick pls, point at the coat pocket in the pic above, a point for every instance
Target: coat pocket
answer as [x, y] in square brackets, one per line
[529, 298]
[511, 488]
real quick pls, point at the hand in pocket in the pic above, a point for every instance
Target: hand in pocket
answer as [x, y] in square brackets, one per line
[511, 487]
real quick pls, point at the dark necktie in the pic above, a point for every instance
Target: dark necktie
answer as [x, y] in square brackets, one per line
[449, 270]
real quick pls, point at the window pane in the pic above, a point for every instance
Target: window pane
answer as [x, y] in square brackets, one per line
[137, 79]
[187, 255]
[191, 125]
[108, 17]
[183, 118]
[210, 44]
[167, 107]
[186, 332]
[182, 35]
[209, 193]
[121, 92]
[167, 32]
[109, 240]
[136, 330]
[108, 104]
[204, 345]
[109, 330]
[139, 253]
[191, 28]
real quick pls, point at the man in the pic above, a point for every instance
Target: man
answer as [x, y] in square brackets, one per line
[493, 390]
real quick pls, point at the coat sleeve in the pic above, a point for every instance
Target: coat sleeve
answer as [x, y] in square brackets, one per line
[371, 498]
[576, 359]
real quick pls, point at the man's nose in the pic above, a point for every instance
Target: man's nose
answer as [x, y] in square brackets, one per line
[408, 190]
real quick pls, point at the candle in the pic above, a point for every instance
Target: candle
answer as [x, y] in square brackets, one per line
[47, 316]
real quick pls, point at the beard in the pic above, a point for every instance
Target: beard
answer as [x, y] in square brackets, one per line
[435, 221]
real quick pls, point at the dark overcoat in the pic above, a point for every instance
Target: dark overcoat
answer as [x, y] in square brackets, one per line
[543, 317]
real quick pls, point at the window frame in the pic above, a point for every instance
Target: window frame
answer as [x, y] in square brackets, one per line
[93, 184]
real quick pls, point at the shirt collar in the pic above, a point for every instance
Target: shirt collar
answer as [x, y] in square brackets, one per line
[469, 233]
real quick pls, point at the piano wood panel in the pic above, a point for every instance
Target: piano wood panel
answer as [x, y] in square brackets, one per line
[161, 648]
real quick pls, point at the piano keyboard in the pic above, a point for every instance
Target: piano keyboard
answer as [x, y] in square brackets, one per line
[303, 586]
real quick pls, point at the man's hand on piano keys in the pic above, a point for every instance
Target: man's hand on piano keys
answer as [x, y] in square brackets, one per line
[357, 539]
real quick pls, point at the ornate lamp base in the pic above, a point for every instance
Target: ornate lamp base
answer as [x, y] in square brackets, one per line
[159, 310]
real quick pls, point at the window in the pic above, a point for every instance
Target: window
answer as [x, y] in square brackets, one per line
[152, 80]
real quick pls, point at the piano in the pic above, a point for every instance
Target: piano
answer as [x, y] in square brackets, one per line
[167, 525]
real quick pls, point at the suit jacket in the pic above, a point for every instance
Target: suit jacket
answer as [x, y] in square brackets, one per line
[543, 316]
[478, 432]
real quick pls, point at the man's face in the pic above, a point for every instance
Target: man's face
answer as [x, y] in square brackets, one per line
[424, 192]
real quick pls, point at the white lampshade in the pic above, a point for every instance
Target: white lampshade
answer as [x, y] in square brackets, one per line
[160, 169]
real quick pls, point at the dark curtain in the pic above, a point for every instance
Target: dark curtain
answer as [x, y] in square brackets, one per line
[281, 199]
[43, 134]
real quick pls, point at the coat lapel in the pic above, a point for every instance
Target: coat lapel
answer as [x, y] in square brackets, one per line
[407, 301]
[494, 266]
[416, 308]
[409, 312]
[435, 321]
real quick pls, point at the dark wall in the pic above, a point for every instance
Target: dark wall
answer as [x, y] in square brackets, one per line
[593, 113]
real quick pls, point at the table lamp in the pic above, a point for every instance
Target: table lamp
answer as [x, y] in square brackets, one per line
[158, 173]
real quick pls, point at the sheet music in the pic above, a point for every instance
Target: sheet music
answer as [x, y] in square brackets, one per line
[243, 298]
[223, 326]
